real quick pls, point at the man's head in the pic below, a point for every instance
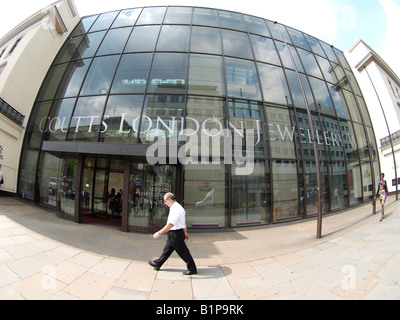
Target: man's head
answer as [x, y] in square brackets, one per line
[169, 199]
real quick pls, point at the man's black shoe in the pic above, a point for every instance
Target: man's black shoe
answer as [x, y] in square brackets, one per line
[189, 272]
[154, 265]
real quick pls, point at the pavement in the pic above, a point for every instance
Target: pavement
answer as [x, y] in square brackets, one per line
[43, 257]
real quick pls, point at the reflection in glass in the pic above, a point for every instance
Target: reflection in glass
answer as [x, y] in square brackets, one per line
[153, 15]
[242, 79]
[206, 75]
[143, 39]
[322, 97]
[285, 190]
[68, 50]
[297, 93]
[236, 44]
[256, 25]
[60, 116]
[274, 85]
[126, 18]
[174, 38]
[98, 79]
[168, 74]
[178, 15]
[51, 83]
[122, 118]
[89, 45]
[338, 185]
[264, 50]
[206, 17]
[309, 63]
[298, 38]
[207, 40]
[132, 73]
[232, 20]
[104, 21]
[114, 42]
[73, 78]
[315, 46]
[251, 197]
[355, 186]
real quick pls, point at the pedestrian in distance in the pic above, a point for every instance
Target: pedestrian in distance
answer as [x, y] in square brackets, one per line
[382, 192]
[176, 231]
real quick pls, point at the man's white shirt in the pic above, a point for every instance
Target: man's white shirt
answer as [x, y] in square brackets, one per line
[177, 216]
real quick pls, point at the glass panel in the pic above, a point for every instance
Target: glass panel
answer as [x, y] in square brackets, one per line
[285, 188]
[89, 45]
[364, 111]
[281, 133]
[205, 193]
[297, 93]
[86, 120]
[206, 75]
[174, 38]
[309, 63]
[143, 39]
[122, 119]
[321, 93]
[207, 17]
[207, 40]
[147, 187]
[306, 136]
[100, 191]
[151, 16]
[251, 197]
[83, 26]
[264, 50]
[329, 52]
[355, 186]
[332, 138]
[86, 196]
[132, 73]
[100, 74]
[326, 69]
[339, 101]
[50, 84]
[372, 143]
[232, 20]
[115, 41]
[338, 185]
[236, 44]
[178, 15]
[363, 151]
[67, 182]
[27, 174]
[273, 28]
[68, 50]
[274, 85]
[256, 25]
[349, 140]
[168, 74]
[73, 78]
[38, 125]
[242, 79]
[60, 117]
[351, 84]
[367, 181]
[162, 117]
[298, 38]
[309, 95]
[315, 46]
[352, 105]
[126, 18]
[104, 21]
[311, 188]
[245, 115]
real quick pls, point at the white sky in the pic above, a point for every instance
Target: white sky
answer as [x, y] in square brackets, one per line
[338, 22]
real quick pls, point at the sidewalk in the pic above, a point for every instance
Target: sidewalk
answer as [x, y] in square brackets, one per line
[45, 257]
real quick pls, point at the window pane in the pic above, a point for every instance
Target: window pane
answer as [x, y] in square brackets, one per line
[355, 186]
[251, 201]
[200, 109]
[89, 45]
[178, 15]
[162, 117]
[332, 138]
[349, 140]
[104, 21]
[264, 50]
[151, 16]
[168, 74]
[132, 73]
[236, 44]
[115, 41]
[85, 122]
[174, 38]
[281, 133]
[60, 117]
[122, 117]
[306, 136]
[206, 75]
[207, 17]
[68, 50]
[83, 26]
[362, 144]
[100, 75]
[38, 125]
[352, 106]
[338, 185]
[285, 188]
[329, 52]
[339, 102]
[309, 63]
[73, 78]
[256, 25]
[274, 84]
[364, 111]
[207, 40]
[326, 68]
[143, 39]
[242, 79]
[315, 46]
[298, 38]
[126, 18]
[321, 93]
[231, 20]
[297, 93]
[51, 83]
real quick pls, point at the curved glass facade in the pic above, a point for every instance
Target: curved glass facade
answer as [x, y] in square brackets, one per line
[221, 100]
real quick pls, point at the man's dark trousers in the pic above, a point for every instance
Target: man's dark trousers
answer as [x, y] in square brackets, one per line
[176, 242]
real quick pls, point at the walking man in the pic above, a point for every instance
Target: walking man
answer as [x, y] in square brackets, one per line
[177, 234]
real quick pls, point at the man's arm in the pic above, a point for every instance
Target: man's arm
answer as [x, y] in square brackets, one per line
[164, 230]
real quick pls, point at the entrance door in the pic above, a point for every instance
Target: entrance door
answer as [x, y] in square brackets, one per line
[147, 187]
